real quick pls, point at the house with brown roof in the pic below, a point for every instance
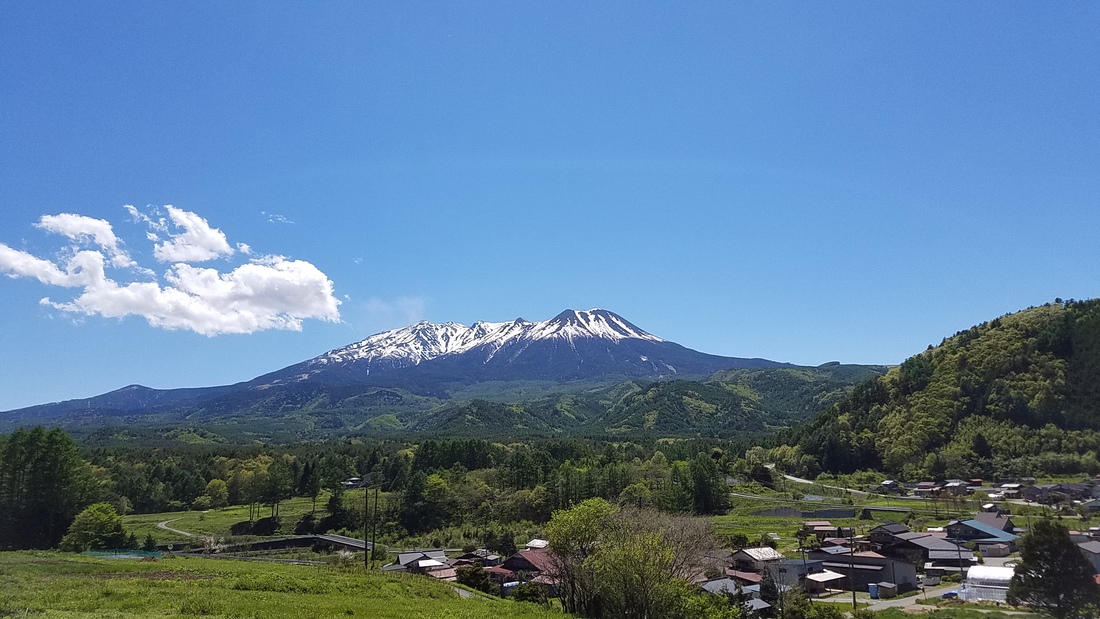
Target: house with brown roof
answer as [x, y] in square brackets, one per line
[533, 562]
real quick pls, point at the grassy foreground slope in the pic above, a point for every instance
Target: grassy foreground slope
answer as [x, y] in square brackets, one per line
[49, 585]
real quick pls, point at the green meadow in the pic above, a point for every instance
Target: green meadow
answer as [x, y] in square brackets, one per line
[215, 522]
[56, 585]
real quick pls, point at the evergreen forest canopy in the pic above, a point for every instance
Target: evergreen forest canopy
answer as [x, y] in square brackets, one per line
[1018, 395]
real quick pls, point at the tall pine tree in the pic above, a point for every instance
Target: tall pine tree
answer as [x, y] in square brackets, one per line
[44, 483]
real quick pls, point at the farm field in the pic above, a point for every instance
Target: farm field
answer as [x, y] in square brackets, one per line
[56, 585]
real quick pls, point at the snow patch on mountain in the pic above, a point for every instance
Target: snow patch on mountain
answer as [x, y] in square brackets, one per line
[424, 341]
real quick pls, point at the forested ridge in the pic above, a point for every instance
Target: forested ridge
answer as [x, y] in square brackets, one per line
[729, 404]
[1019, 395]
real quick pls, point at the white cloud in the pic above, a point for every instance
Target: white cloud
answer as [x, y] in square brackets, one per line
[159, 224]
[269, 292]
[197, 243]
[274, 218]
[87, 229]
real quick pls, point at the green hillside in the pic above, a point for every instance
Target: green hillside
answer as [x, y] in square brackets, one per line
[727, 404]
[1016, 395]
[730, 403]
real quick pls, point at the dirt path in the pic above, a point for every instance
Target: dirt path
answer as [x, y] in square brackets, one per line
[164, 525]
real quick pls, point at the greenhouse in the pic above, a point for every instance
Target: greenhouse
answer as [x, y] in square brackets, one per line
[986, 583]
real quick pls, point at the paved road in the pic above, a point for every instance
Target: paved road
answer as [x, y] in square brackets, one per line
[164, 525]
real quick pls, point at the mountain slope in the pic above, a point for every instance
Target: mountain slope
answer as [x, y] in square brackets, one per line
[981, 402]
[417, 369]
[574, 345]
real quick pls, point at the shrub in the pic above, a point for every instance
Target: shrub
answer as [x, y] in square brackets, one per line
[527, 592]
[98, 526]
[475, 577]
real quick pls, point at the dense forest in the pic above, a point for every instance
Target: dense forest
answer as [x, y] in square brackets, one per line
[466, 490]
[1018, 395]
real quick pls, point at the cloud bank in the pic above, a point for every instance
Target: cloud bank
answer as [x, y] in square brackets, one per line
[267, 292]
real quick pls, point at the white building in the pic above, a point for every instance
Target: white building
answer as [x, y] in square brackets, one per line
[986, 583]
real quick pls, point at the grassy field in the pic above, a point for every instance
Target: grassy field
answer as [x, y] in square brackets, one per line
[956, 613]
[215, 522]
[55, 585]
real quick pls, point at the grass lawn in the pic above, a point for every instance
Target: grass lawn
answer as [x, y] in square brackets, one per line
[57, 585]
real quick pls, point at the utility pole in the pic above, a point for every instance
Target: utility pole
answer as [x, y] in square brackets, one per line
[366, 524]
[852, 567]
[374, 522]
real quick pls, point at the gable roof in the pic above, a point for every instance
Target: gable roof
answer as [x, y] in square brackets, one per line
[537, 557]
[721, 585]
[991, 531]
[994, 519]
[893, 528]
[762, 553]
[407, 558]
[950, 555]
[928, 542]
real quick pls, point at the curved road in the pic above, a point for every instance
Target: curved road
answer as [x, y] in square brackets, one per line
[164, 525]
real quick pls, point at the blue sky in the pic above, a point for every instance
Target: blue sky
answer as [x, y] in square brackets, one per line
[800, 182]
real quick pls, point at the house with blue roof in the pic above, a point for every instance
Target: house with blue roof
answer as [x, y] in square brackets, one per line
[980, 533]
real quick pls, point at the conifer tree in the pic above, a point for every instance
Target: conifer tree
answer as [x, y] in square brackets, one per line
[1053, 575]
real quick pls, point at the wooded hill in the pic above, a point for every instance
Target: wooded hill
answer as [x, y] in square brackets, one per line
[1019, 394]
[731, 403]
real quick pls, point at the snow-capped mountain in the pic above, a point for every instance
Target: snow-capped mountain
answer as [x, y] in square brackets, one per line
[425, 341]
[574, 345]
[435, 360]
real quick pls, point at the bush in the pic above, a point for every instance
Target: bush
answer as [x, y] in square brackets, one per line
[263, 526]
[527, 592]
[97, 527]
[306, 525]
[475, 577]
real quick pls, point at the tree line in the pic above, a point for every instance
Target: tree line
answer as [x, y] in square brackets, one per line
[427, 486]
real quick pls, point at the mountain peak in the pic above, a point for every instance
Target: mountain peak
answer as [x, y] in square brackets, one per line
[596, 322]
[425, 340]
